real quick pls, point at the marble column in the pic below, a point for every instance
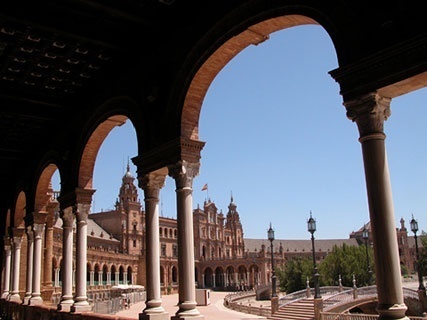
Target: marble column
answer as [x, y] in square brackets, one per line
[67, 259]
[7, 268]
[369, 112]
[56, 283]
[48, 252]
[92, 278]
[100, 280]
[183, 173]
[30, 264]
[108, 278]
[151, 184]
[36, 298]
[81, 303]
[16, 263]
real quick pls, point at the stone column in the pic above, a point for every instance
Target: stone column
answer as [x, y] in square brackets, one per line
[183, 173]
[92, 278]
[67, 259]
[48, 253]
[56, 284]
[16, 263]
[369, 112]
[80, 301]
[151, 184]
[30, 255]
[100, 280]
[38, 230]
[7, 268]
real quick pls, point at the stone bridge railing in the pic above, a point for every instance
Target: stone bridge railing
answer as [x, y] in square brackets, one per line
[236, 301]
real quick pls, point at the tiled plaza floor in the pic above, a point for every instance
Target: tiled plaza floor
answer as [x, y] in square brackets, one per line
[215, 310]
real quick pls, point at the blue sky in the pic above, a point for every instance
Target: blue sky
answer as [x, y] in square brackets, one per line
[278, 139]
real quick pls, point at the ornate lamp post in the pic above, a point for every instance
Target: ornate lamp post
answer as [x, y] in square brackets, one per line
[270, 233]
[414, 228]
[365, 235]
[311, 226]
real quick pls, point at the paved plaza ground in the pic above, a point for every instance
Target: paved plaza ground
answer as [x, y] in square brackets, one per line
[215, 310]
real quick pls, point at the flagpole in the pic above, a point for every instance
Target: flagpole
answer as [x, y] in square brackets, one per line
[205, 187]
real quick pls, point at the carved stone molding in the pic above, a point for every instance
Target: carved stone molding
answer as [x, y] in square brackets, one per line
[168, 154]
[369, 112]
[183, 173]
[383, 69]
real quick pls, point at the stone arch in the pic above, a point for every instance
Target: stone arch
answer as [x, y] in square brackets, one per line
[162, 275]
[20, 211]
[174, 271]
[230, 277]
[121, 273]
[208, 273]
[129, 275]
[43, 189]
[219, 277]
[242, 275]
[92, 147]
[253, 34]
[104, 274]
[96, 273]
[113, 274]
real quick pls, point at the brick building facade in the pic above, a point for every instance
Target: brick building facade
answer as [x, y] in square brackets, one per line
[224, 259]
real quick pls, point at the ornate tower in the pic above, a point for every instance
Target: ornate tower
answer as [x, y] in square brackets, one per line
[129, 207]
[235, 247]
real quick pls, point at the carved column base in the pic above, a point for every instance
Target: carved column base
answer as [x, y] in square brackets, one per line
[188, 317]
[163, 315]
[81, 306]
[65, 305]
[392, 312]
[35, 301]
[15, 297]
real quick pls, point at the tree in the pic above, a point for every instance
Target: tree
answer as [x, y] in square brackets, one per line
[346, 261]
[294, 275]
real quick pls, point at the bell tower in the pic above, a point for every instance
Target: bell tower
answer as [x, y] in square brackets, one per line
[129, 207]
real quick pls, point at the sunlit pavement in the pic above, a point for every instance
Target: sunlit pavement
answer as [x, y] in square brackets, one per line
[215, 310]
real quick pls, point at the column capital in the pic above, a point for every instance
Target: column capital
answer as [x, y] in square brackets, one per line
[79, 195]
[17, 233]
[183, 172]
[82, 211]
[38, 230]
[177, 149]
[30, 233]
[153, 180]
[39, 217]
[369, 112]
[67, 217]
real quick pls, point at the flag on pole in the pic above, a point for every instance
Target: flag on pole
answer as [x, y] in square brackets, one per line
[205, 187]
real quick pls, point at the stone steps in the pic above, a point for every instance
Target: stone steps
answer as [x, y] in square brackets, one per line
[298, 310]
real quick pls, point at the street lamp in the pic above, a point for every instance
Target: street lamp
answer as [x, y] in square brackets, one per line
[365, 235]
[311, 226]
[270, 233]
[414, 228]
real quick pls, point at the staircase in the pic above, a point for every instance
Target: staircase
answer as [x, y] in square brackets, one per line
[302, 309]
